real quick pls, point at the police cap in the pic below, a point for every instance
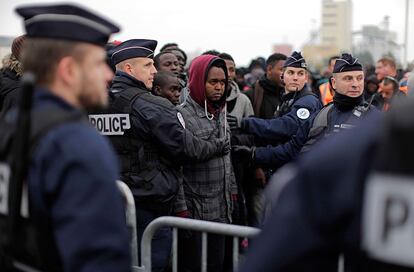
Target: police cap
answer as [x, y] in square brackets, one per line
[347, 63]
[67, 22]
[295, 60]
[135, 48]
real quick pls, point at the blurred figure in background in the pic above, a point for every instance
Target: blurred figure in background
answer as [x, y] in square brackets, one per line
[267, 90]
[390, 91]
[325, 89]
[10, 75]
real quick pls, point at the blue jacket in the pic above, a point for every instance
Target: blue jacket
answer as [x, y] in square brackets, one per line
[290, 130]
[72, 192]
[316, 214]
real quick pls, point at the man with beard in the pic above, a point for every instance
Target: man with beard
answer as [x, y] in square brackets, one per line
[209, 186]
[71, 217]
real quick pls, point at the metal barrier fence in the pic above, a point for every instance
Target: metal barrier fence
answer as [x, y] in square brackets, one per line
[181, 223]
[194, 225]
[131, 222]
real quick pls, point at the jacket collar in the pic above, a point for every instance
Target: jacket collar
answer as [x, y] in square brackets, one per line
[122, 79]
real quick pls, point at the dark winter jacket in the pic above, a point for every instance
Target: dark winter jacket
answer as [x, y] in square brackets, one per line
[265, 97]
[9, 89]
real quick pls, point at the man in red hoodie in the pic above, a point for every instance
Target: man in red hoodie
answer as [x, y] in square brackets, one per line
[209, 186]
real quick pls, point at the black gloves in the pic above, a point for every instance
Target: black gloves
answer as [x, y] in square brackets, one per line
[234, 122]
[244, 153]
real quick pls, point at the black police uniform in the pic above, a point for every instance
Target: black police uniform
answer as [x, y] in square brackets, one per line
[359, 203]
[72, 217]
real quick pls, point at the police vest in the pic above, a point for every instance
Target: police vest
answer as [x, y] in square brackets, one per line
[33, 247]
[321, 122]
[388, 200]
[141, 161]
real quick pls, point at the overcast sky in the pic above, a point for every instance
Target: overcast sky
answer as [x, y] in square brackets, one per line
[244, 28]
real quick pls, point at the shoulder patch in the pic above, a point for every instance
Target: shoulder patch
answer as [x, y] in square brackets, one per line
[181, 119]
[303, 113]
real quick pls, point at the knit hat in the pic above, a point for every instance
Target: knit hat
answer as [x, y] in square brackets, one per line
[17, 46]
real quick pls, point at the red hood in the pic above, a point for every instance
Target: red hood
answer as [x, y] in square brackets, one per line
[197, 81]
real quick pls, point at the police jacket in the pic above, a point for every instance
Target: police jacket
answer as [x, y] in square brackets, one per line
[72, 202]
[334, 118]
[351, 196]
[289, 129]
[157, 143]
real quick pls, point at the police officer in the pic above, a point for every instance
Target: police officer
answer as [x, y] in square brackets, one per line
[153, 143]
[348, 105]
[75, 219]
[359, 203]
[288, 130]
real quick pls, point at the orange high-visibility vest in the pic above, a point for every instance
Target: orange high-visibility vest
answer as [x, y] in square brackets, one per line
[326, 93]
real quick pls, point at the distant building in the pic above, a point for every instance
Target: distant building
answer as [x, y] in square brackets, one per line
[334, 35]
[5, 46]
[380, 41]
[336, 28]
[283, 48]
[317, 55]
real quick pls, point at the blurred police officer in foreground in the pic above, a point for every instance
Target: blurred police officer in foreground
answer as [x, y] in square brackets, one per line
[288, 131]
[150, 138]
[348, 106]
[75, 219]
[359, 203]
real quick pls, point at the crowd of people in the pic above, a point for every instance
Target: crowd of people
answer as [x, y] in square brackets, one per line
[200, 139]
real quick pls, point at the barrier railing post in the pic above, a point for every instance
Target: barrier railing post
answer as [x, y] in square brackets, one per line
[193, 225]
[131, 221]
[204, 252]
[235, 253]
[175, 250]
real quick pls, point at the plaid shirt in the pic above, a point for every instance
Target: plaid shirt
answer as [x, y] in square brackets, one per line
[208, 185]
